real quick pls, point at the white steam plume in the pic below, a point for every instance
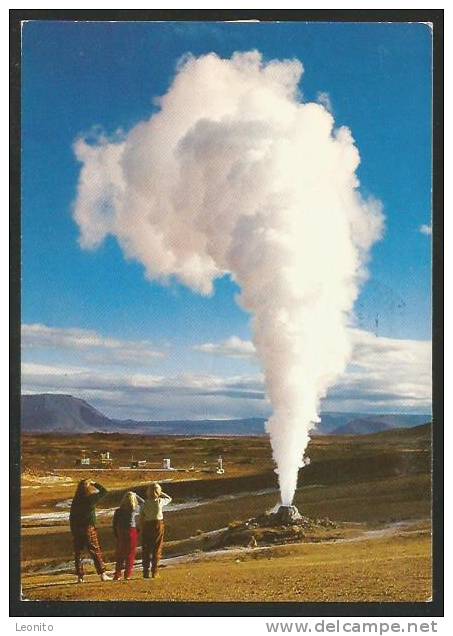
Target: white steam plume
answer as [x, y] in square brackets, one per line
[235, 174]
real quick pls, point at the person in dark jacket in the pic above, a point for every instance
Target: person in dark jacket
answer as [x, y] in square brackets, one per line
[82, 520]
[125, 527]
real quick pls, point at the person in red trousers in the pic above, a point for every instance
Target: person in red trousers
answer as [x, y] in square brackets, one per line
[125, 528]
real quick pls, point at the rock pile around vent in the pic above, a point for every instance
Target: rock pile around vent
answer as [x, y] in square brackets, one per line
[284, 526]
[288, 516]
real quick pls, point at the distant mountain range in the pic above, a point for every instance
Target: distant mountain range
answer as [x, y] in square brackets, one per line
[368, 424]
[55, 413]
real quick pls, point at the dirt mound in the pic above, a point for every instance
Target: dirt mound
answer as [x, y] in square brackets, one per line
[276, 528]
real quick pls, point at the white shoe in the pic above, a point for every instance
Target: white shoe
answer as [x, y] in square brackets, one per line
[105, 577]
[80, 579]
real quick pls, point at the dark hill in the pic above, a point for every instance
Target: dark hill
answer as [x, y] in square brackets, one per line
[416, 433]
[54, 413]
[60, 413]
[367, 425]
[362, 426]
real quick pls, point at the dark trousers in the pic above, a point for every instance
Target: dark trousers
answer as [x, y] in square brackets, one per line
[152, 544]
[87, 538]
[126, 547]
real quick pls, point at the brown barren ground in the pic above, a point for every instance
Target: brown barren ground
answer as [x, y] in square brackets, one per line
[393, 569]
[363, 483]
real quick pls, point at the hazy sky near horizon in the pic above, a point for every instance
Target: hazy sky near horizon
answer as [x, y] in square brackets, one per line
[93, 326]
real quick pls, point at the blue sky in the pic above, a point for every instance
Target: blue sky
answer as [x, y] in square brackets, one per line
[79, 75]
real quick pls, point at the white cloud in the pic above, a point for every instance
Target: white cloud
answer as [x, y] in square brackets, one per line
[151, 396]
[233, 347]
[426, 229]
[385, 375]
[324, 99]
[94, 348]
[35, 376]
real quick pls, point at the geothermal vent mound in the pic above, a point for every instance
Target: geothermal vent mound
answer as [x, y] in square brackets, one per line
[289, 516]
[286, 525]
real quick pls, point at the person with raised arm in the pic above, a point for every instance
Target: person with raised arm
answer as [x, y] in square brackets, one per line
[152, 525]
[82, 520]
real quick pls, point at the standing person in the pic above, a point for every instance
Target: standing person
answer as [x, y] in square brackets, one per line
[152, 524]
[82, 520]
[125, 528]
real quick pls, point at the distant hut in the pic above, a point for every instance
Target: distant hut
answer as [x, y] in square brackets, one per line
[83, 460]
[137, 463]
[106, 459]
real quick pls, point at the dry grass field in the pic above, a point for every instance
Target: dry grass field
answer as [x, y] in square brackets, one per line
[382, 569]
[375, 488]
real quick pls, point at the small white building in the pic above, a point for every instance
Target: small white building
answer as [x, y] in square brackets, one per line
[166, 464]
[83, 460]
[106, 459]
[220, 470]
[138, 463]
